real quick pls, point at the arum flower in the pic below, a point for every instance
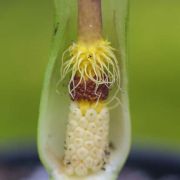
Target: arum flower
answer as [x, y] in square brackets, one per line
[84, 125]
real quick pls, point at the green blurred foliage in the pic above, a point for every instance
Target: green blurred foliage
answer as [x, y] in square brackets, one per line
[25, 35]
[154, 68]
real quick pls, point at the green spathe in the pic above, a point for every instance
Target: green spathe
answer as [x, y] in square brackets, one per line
[55, 99]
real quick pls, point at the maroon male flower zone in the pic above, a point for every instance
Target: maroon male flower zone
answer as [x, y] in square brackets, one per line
[88, 90]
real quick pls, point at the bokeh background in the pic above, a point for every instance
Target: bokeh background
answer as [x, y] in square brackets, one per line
[154, 69]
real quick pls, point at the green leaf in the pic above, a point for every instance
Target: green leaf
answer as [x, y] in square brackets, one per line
[55, 100]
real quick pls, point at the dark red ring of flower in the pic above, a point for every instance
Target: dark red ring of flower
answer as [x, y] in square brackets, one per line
[88, 90]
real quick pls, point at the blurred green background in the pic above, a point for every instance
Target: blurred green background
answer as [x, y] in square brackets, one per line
[154, 68]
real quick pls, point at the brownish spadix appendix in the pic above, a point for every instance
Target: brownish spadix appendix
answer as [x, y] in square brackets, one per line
[89, 20]
[95, 114]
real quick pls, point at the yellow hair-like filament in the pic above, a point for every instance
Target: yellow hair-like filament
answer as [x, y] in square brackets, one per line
[96, 62]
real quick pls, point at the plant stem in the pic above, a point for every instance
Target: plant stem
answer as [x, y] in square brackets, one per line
[89, 20]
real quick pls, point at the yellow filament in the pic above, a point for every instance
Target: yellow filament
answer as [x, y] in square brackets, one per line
[96, 62]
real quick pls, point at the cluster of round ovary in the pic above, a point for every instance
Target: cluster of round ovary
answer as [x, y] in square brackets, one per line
[86, 145]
